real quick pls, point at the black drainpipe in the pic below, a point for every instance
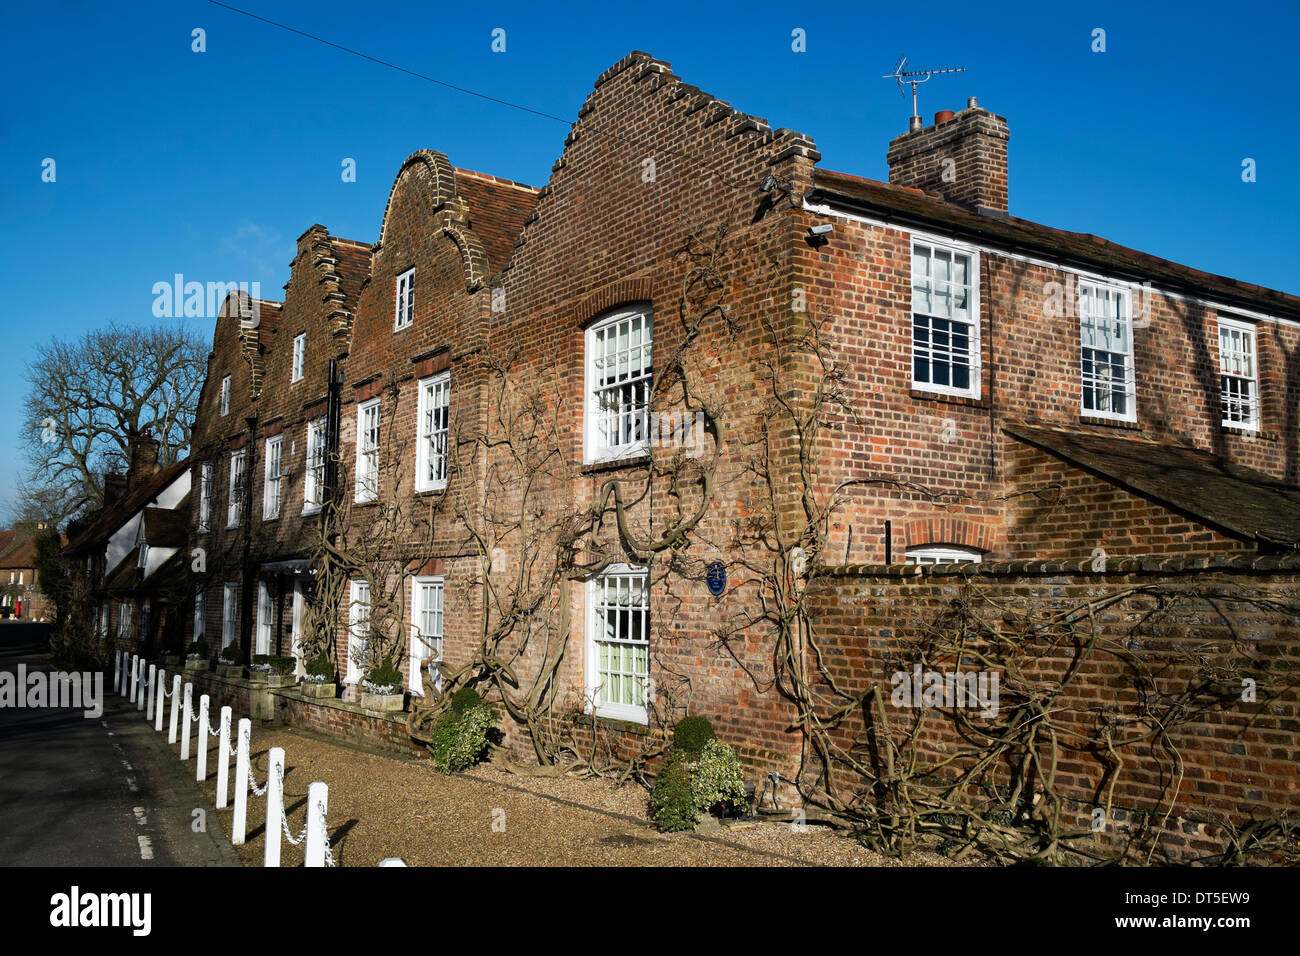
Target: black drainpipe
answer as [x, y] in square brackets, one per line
[889, 542]
[246, 595]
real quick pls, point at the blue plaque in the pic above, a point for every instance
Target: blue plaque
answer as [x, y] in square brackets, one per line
[716, 578]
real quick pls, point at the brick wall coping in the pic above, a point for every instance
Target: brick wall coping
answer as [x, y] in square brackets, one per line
[1114, 566]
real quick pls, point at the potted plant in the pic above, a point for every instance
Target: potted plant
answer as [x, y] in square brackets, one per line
[282, 669]
[230, 664]
[259, 672]
[319, 680]
[383, 688]
[196, 658]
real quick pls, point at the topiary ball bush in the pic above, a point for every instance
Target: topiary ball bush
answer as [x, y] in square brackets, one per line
[465, 699]
[321, 666]
[385, 675]
[691, 734]
[231, 652]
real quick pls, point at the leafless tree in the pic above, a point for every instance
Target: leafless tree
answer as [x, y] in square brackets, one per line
[86, 396]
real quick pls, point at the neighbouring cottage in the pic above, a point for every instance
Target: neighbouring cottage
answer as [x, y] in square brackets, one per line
[127, 563]
[701, 427]
[21, 596]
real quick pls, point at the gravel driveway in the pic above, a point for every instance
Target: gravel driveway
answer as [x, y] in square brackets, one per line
[381, 806]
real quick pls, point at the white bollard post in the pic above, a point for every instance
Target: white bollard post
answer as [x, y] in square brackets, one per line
[135, 676]
[153, 682]
[223, 758]
[241, 781]
[318, 799]
[126, 677]
[117, 671]
[160, 704]
[274, 807]
[187, 718]
[201, 764]
[176, 708]
[139, 697]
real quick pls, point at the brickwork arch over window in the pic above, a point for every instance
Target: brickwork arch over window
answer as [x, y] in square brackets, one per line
[944, 531]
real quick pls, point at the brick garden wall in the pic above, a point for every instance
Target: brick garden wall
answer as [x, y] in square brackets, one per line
[1238, 760]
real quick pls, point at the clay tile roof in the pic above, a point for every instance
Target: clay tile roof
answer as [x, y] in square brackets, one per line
[17, 552]
[113, 517]
[1238, 500]
[497, 210]
[896, 204]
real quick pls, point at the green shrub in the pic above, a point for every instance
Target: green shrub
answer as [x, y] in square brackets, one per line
[385, 675]
[459, 740]
[465, 699]
[231, 653]
[199, 647]
[672, 807]
[284, 666]
[321, 666]
[717, 780]
[691, 734]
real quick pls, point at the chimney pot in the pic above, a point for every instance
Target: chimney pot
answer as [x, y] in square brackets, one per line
[943, 116]
[914, 123]
[972, 104]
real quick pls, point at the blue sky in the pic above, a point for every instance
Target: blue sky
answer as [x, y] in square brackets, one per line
[211, 164]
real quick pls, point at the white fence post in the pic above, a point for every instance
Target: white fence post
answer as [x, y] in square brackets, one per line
[139, 697]
[201, 764]
[223, 758]
[117, 671]
[124, 681]
[135, 673]
[274, 807]
[318, 799]
[160, 704]
[153, 682]
[241, 782]
[176, 708]
[187, 717]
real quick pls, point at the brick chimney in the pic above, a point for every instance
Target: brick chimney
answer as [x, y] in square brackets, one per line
[143, 449]
[963, 157]
[114, 488]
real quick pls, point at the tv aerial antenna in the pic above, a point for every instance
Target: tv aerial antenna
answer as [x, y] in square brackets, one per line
[916, 78]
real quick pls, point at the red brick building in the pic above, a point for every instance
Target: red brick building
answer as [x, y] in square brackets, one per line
[551, 415]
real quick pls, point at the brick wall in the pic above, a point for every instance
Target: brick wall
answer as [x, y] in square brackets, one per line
[1236, 758]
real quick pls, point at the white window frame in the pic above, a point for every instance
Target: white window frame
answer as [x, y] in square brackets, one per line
[1125, 295]
[296, 636]
[972, 323]
[404, 300]
[617, 710]
[124, 620]
[595, 447]
[225, 396]
[1251, 403]
[367, 482]
[235, 493]
[273, 477]
[421, 652]
[200, 611]
[299, 357]
[943, 554]
[205, 497]
[433, 436]
[229, 613]
[313, 484]
[105, 613]
[265, 619]
[358, 625]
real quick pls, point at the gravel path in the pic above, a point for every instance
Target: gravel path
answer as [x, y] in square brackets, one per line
[381, 806]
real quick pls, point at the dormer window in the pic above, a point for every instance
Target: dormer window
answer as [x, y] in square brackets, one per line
[405, 305]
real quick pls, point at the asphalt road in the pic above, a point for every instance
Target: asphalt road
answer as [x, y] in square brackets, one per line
[106, 791]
